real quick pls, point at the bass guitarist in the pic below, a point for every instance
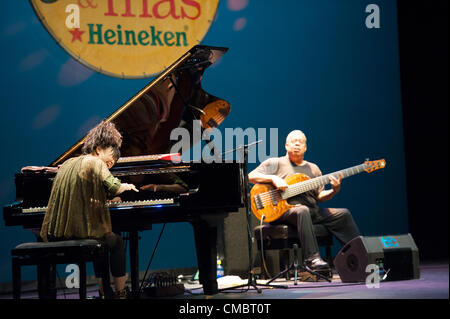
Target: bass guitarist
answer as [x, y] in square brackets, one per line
[338, 221]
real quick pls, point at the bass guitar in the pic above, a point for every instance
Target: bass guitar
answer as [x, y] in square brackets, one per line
[271, 203]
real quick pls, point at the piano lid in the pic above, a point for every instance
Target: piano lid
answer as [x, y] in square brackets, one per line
[173, 99]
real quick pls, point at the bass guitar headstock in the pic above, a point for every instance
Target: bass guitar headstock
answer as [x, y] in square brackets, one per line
[371, 166]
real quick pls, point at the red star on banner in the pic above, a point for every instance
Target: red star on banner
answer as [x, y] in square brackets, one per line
[76, 34]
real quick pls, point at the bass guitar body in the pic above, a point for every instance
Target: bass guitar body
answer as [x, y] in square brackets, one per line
[271, 203]
[266, 199]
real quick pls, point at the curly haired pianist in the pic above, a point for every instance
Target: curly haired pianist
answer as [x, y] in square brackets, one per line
[76, 208]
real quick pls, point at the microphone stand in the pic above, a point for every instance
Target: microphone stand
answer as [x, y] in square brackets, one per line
[244, 177]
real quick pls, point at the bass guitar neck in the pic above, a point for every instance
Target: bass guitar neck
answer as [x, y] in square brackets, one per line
[272, 203]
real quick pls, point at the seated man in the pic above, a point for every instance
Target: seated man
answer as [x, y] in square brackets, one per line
[76, 207]
[338, 221]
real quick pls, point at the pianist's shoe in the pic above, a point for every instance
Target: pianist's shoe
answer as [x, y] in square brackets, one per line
[318, 265]
[315, 263]
[122, 294]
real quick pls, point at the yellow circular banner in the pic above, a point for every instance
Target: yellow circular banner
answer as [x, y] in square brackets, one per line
[127, 38]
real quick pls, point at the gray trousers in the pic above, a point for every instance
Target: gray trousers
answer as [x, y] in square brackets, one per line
[338, 221]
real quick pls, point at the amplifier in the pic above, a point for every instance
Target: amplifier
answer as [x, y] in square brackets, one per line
[397, 256]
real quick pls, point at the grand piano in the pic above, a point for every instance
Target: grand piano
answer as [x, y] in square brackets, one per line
[171, 190]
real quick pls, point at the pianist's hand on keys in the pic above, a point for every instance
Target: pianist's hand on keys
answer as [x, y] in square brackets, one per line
[126, 187]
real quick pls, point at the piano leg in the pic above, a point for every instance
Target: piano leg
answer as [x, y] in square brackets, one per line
[46, 274]
[205, 243]
[134, 262]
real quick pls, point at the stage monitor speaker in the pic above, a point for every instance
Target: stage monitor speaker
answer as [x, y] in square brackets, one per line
[233, 244]
[397, 256]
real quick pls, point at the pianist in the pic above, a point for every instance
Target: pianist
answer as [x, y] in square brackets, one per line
[76, 207]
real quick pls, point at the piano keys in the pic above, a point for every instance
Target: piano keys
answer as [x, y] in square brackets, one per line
[171, 190]
[114, 205]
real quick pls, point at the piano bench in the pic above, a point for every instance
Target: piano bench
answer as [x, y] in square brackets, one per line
[283, 237]
[46, 255]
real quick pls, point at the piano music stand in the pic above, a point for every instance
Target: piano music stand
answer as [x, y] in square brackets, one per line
[251, 279]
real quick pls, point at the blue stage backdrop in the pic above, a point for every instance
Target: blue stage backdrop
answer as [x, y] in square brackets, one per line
[309, 65]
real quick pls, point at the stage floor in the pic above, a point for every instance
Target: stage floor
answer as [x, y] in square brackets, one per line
[433, 284]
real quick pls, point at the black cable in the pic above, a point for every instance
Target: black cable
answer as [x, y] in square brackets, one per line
[151, 258]
[295, 287]
[328, 286]
[262, 247]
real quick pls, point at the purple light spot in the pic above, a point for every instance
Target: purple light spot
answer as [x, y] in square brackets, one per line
[46, 117]
[239, 24]
[14, 28]
[88, 125]
[73, 73]
[236, 5]
[33, 60]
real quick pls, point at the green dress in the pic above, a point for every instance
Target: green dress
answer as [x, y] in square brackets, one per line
[76, 208]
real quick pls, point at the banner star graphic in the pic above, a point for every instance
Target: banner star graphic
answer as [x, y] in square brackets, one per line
[76, 34]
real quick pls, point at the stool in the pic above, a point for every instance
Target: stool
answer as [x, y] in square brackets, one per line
[46, 255]
[284, 237]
